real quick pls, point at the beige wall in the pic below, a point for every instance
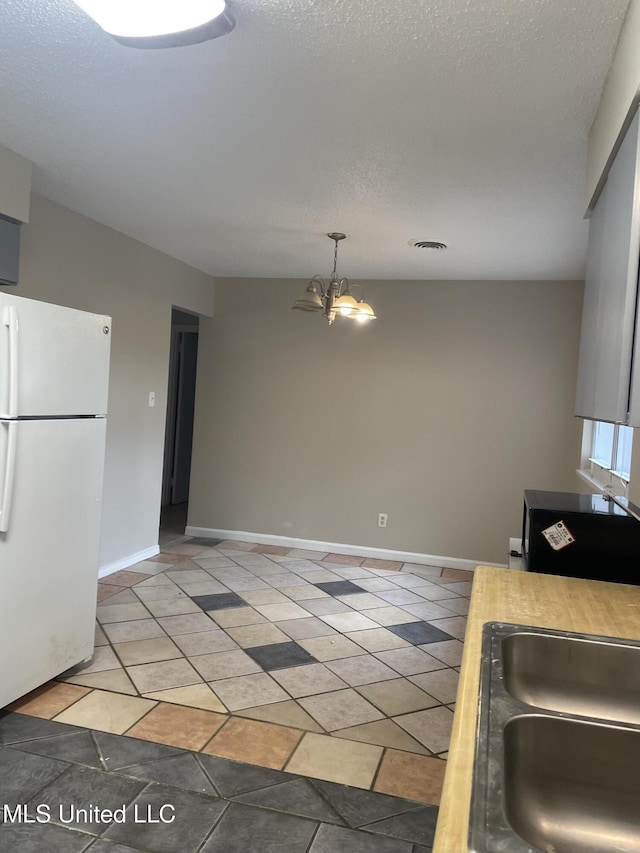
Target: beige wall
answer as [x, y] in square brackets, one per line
[71, 260]
[440, 413]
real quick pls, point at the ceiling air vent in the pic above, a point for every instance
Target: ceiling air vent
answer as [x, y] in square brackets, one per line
[427, 244]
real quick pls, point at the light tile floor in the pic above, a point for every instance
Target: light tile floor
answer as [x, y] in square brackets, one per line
[328, 666]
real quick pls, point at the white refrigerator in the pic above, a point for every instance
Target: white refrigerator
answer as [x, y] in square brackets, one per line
[54, 373]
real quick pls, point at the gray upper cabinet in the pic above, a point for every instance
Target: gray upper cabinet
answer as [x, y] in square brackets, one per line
[9, 251]
[608, 385]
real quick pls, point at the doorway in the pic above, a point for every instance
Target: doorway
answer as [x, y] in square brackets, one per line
[179, 425]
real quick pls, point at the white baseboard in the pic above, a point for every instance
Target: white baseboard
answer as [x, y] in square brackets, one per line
[341, 548]
[129, 560]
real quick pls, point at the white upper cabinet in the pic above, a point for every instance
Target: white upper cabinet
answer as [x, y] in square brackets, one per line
[608, 385]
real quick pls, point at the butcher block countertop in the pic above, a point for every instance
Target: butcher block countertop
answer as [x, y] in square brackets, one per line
[546, 601]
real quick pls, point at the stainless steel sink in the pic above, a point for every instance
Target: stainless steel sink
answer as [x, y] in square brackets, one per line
[571, 784]
[588, 677]
[557, 765]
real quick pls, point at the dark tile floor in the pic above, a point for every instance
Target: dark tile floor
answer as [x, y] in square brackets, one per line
[168, 800]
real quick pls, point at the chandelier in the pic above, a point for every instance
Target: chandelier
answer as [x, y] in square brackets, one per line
[335, 299]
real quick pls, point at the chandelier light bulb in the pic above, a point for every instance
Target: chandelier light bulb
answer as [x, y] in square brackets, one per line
[364, 312]
[345, 305]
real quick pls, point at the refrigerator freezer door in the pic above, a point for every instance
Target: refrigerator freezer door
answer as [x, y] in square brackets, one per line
[54, 361]
[49, 553]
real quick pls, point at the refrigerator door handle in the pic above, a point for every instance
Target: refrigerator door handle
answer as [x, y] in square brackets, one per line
[10, 319]
[9, 468]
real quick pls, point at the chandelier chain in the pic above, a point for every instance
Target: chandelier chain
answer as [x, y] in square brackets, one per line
[335, 259]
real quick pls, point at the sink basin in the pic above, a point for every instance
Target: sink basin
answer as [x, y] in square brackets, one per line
[570, 784]
[557, 762]
[576, 676]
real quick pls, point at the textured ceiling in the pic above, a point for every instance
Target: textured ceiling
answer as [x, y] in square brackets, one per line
[464, 121]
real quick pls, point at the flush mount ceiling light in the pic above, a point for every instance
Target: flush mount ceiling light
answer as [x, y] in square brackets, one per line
[160, 23]
[335, 299]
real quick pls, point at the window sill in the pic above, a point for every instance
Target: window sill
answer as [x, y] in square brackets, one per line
[613, 482]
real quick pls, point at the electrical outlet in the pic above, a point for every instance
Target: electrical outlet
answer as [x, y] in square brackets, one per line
[382, 519]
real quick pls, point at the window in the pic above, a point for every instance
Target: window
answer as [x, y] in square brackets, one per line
[602, 444]
[607, 455]
[622, 459]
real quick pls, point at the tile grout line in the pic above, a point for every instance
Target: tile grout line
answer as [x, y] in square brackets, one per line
[376, 772]
[90, 690]
[312, 841]
[294, 751]
[214, 735]
[125, 733]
